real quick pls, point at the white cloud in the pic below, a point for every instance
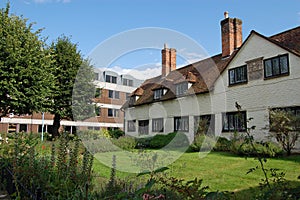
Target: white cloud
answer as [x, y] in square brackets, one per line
[142, 72]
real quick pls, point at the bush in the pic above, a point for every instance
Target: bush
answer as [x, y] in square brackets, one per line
[125, 142]
[202, 143]
[93, 134]
[159, 140]
[143, 142]
[116, 133]
[223, 144]
[265, 149]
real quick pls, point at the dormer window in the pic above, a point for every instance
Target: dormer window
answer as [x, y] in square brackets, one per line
[133, 99]
[110, 79]
[158, 93]
[181, 88]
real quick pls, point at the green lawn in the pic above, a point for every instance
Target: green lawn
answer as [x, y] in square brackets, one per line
[219, 171]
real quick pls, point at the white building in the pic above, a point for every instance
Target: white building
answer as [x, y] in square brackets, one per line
[259, 74]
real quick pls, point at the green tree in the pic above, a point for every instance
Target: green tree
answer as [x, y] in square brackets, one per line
[25, 73]
[67, 61]
[283, 126]
[83, 93]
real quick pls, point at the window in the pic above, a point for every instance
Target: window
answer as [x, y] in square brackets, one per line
[47, 128]
[276, 66]
[113, 94]
[70, 129]
[112, 112]
[143, 127]
[207, 123]
[234, 121]
[23, 128]
[181, 88]
[127, 82]
[158, 93]
[131, 125]
[110, 79]
[96, 76]
[158, 125]
[127, 96]
[238, 75]
[181, 124]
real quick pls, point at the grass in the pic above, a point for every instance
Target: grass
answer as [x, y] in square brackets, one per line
[220, 171]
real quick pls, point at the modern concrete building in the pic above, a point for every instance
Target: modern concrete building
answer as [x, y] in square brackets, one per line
[113, 90]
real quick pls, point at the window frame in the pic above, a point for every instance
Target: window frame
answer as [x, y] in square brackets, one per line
[158, 125]
[280, 66]
[181, 88]
[110, 79]
[181, 120]
[157, 94]
[235, 75]
[131, 125]
[143, 127]
[114, 113]
[127, 82]
[232, 122]
[113, 94]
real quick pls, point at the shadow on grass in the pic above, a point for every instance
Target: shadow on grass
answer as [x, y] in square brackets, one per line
[293, 192]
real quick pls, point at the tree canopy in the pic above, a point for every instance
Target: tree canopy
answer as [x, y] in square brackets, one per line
[26, 80]
[67, 61]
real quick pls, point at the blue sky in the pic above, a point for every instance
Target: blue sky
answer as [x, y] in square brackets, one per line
[91, 22]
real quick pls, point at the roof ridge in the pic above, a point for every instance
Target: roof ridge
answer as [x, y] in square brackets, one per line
[284, 32]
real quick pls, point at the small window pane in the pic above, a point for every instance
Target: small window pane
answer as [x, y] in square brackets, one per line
[284, 64]
[268, 68]
[114, 79]
[117, 95]
[275, 64]
[110, 93]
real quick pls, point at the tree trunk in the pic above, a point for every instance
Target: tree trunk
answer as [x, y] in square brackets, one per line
[56, 125]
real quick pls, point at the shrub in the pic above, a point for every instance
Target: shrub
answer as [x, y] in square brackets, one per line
[116, 133]
[159, 140]
[143, 142]
[265, 149]
[202, 143]
[223, 144]
[125, 142]
[93, 134]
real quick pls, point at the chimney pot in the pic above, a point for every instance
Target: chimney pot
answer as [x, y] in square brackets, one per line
[226, 14]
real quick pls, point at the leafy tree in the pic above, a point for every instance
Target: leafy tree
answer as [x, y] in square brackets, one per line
[284, 126]
[25, 73]
[67, 61]
[84, 93]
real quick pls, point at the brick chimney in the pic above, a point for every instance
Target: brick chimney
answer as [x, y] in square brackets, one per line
[231, 29]
[168, 60]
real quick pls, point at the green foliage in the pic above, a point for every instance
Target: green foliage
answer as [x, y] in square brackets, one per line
[116, 133]
[26, 80]
[174, 140]
[69, 103]
[125, 142]
[223, 144]
[58, 176]
[83, 93]
[202, 143]
[284, 127]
